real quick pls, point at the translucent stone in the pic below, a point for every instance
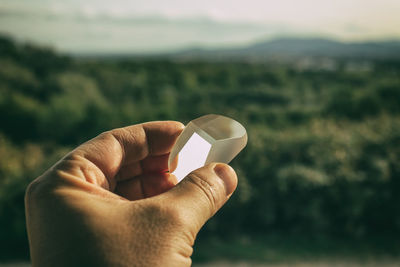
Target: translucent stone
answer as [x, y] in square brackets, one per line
[210, 138]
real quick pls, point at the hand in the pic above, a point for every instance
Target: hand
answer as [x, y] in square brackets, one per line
[109, 203]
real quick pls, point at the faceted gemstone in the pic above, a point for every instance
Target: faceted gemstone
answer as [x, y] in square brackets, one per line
[210, 138]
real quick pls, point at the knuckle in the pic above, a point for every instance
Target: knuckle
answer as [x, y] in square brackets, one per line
[31, 190]
[42, 188]
[116, 133]
[206, 187]
[35, 190]
[111, 134]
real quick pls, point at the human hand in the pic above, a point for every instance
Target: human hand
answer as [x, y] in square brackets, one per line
[109, 203]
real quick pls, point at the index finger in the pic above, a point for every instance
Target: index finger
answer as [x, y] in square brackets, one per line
[113, 149]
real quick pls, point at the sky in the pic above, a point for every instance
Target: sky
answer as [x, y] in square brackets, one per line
[149, 26]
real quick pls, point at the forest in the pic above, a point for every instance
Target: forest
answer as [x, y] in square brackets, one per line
[321, 170]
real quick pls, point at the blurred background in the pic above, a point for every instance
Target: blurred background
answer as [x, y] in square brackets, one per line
[315, 83]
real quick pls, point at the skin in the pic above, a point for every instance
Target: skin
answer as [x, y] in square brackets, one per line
[112, 202]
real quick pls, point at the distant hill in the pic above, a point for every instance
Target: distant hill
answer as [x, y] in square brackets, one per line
[287, 48]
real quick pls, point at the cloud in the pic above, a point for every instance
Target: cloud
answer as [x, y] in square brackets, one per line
[81, 31]
[145, 26]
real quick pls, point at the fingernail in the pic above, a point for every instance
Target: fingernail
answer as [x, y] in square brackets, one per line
[228, 175]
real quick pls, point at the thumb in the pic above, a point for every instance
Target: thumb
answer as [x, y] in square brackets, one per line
[202, 193]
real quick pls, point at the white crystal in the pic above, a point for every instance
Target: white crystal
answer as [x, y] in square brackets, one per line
[210, 138]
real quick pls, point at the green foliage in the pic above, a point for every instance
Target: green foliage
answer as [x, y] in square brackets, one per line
[19, 165]
[323, 157]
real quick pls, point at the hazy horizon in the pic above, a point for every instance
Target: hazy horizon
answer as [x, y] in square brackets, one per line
[99, 26]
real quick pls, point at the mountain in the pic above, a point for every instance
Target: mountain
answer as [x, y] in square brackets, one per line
[288, 48]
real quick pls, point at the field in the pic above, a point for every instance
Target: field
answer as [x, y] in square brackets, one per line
[318, 180]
